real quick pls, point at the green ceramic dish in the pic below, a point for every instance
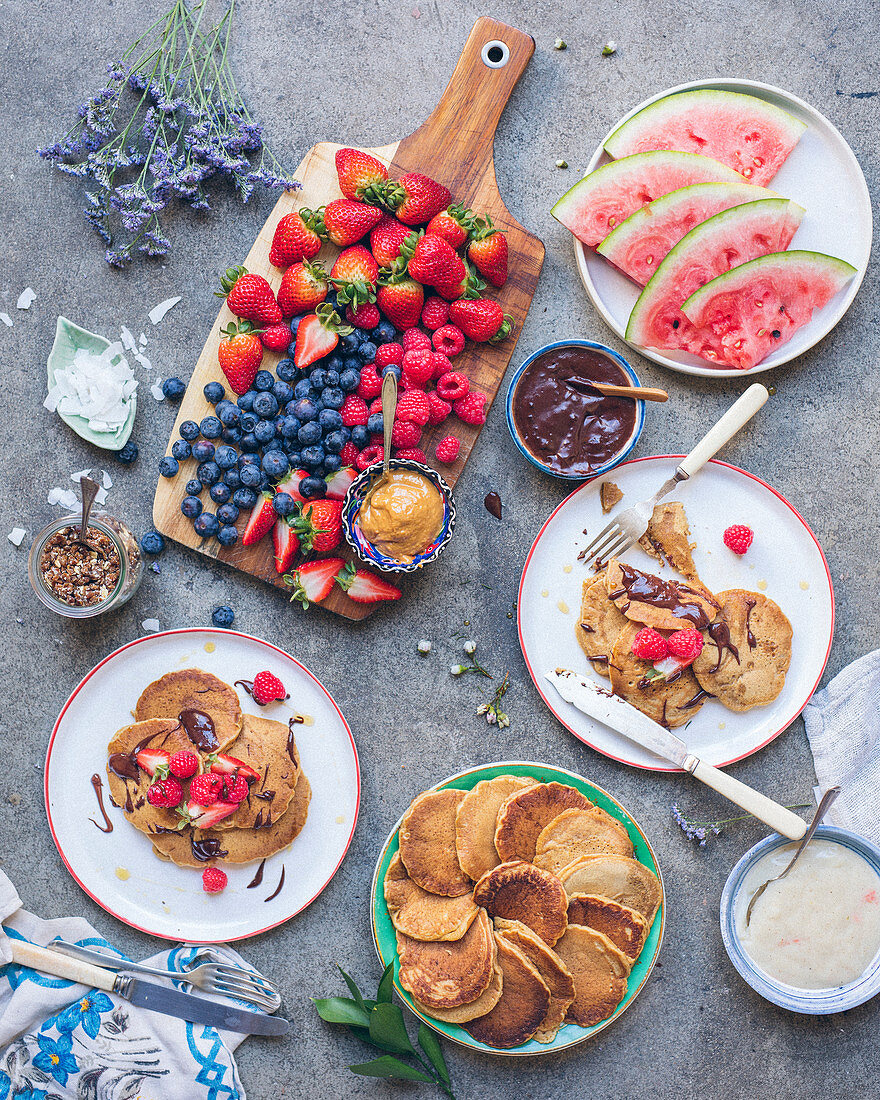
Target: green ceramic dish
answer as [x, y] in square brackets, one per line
[569, 1034]
[69, 338]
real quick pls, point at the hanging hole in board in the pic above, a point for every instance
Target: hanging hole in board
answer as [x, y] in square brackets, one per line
[495, 55]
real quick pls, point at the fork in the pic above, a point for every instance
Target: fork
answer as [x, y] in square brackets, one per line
[212, 977]
[629, 526]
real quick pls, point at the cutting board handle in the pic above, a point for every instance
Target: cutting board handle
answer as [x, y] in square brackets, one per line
[461, 128]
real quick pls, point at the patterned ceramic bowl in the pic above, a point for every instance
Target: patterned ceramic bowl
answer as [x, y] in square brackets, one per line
[355, 538]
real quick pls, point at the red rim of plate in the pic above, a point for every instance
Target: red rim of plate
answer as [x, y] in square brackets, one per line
[538, 685]
[165, 634]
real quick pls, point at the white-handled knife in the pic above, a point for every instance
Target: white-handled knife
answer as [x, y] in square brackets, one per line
[602, 704]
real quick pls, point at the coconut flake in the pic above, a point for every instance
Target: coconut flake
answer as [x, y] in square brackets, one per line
[143, 360]
[127, 338]
[101, 497]
[95, 387]
[25, 298]
[65, 497]
[80, 474]
[156, 390]
[16, 536]
[142, 340]
[158, 312]
[106, 480]
[6, 319]
[150, 626]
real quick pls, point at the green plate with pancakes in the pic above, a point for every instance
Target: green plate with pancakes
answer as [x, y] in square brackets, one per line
[384, 936]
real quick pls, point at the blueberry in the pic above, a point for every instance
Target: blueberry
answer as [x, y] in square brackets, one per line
[305, 409]
[191, 506]
[206, 525]
[332, 297]
[266, 484]
[244, 499]
[333, 362]
[173, 390]
[265, 431]
[210, 427]
[394, 368]
[283, 503]
[246, 401]
[223, 617]
[194, 487]
[189, 430]
[214, 392]
[227, 535]
[332, 397]
[349, 380]
[303, 388]
[263, 380]
[289, 426]
[286, 371]
[229, 415]
[311, 487]
[231, 435]
[226, 457]
[208, 473]
[309, 433]
[350, 342]
[227, 513]
[375, 424]
[331, 378]
[220, 492]
[294, 324]
[247, 460]
[251, 476]
[318, 403]
[249, 443]
[128, 453]
[312, 457]
[334, 442]
[152, 543]
[275, 464]
[266, 405]
[384, 333]
[181, 449]
[282, 392]
[332, 463]
[345, 433]
[232, 478]
[169, 466]
[203, 451]
[351, 362]
[367, 351]
[291, 449]
[248, 421]
[360, 437]
[318, 378]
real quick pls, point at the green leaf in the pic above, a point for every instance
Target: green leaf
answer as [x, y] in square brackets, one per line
[386, 985]
[387, 1026]
[386, 1066]
[430, 1044]
[363, 1034]
[353, 989]
[341, 1010]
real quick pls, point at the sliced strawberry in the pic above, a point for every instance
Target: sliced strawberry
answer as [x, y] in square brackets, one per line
[313, 582]
[365, 587]
[205, 817]
[261, 520]
[290, 484]
[317, 335]
[286, 545]
[222, 764]
[154, 762]
[338, 483]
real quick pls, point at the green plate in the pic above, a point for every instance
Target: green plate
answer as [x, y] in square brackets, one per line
[569, 1034]
[69, 338]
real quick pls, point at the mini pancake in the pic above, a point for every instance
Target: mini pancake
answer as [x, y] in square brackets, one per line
[761, 635]
[131, 794]
[673, 604]
[520, 891]
[616, 877]
[424, 916]
[599, 624]
[577, 833]
[465, 1013]
[525, 1000]
[427, 843]
[523, 815]
[599, 971]
[269, 747]
[190, 689]
[626, 928]
[668, 540]
[551, 968]
[475, 822]
[448, 974]
[669, 703]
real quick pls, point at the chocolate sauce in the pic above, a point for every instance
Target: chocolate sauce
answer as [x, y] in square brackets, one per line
[648, 681]
[266, 796]
[698, 698]
[572, 430]
[646, 588]
[291, 741]
[720, 634]
[587, 629]
[129, 805]
[260, 822]
[750, 637]
[207, 848]
[248, 687]
[277, 890]
[161, 829]
[492, 502]
[98, 785]
[199, 728]
[258, 877]
[124, 764]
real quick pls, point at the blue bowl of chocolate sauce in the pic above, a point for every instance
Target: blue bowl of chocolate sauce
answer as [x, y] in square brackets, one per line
[564, 428]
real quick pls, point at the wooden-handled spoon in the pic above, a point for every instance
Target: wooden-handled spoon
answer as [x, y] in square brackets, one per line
[643, 393]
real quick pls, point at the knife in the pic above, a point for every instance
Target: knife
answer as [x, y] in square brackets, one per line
[149, 995]
[609, 709]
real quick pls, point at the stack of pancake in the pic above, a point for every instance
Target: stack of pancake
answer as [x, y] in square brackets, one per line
[518, 906]
[747, 638]
[275, 809]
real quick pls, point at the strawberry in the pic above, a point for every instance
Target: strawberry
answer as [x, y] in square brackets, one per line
[214, 880]
[344, 221]
[370, 385]
[404, 433]
[355, 264]
[294, 240]
[313, 582]
[488, 251]
[447, 449]
[354, 411]
[204, 817]
[360, 175]
[317, 335]
[290, 484]
[183, 764]
[320, 525]
[205, 789]
[261, 519]
[414, 407]
[415, 198]
[349, 453]
[303, 287]
[453, 225]
[435, 313]
[440, 409]
[338, 482]
[233, 788]
[276, 337]
[249, 296]
[369, 456]
[286, 544]
[471, 409]
[165, 793]
[448, 340]
[431, 260]
[240, 355]
[267, 688]
[366, 315]
[414, 454]
[401, 299]
[386, 354]
[365, 587]
[154, 762]
[386, 237]
[467, 285]
[222, 764]
[480, 319]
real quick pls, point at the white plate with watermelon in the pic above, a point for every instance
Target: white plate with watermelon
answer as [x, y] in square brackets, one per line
[829, 215]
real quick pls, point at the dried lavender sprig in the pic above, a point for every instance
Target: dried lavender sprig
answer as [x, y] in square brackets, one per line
[700, 831]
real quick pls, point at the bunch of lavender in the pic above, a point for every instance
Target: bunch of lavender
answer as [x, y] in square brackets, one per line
[170, 118]
[700, 831]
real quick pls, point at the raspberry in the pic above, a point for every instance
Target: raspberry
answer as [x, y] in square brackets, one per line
[685, 645]
[365, 316]
[387, 354]
[233, 788]
[738, 538]
[354, 410]
[166, 793]
[449, 339]
[414, 454]
[406, 383]
[205, 789]
[435, 313]
[649, 645]
[447, 449]
[405, 434]
[267, 689]
[414, 338]
[440, 409]
[213, 880]
[348, 454]
[183, 764]
[471, 408]
[375, 406]
[414, 406]
[370, 385]
[452, 386]
[369, 455]
[418, 366]
[441, 364]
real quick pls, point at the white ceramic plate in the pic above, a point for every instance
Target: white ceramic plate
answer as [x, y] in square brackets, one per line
[785, 562]
[119, 870]
[821, 174]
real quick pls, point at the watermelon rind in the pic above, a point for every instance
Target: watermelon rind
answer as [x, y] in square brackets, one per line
[747, 133]
[607, 196]
[638, 245]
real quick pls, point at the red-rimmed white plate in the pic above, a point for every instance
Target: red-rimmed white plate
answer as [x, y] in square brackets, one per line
[785, 562]
[119, 869]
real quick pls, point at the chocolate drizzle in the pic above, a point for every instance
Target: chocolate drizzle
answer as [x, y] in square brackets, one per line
[648, 589]
[492, 504]
[248, 687]
[261, 822]
[277, 889]
[199, 728]
[258, 877]
[108, 824]
[291, 742]
[124, 764]
[698, 698]
[586, 628]
[207, 848]
[720, 634]
[750, 637]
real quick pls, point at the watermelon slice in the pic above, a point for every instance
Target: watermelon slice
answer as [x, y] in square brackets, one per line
[638, 245]
[715, 246]
[607, 196]
[748, 134]
[754, 308]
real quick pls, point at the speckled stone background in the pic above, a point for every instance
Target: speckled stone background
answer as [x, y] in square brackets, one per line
[365, 73]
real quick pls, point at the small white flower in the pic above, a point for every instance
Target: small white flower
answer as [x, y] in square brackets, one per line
[609, 48]
[424, 647]
[470, 647]
[559, 44]
[483, 708]
[456, 670]
[503, 721]
[491, 717]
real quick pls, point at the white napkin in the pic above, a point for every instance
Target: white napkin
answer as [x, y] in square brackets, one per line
[62, 1040]
[843, 726]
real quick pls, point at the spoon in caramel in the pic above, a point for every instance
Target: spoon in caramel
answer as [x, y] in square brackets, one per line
[643, 393]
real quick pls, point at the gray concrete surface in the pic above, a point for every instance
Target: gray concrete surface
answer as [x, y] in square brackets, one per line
[367, 72]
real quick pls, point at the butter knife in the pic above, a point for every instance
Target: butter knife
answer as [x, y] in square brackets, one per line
[602, 704]
[149, 995]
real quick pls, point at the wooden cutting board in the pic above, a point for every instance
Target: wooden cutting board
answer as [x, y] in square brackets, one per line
[454, 146]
